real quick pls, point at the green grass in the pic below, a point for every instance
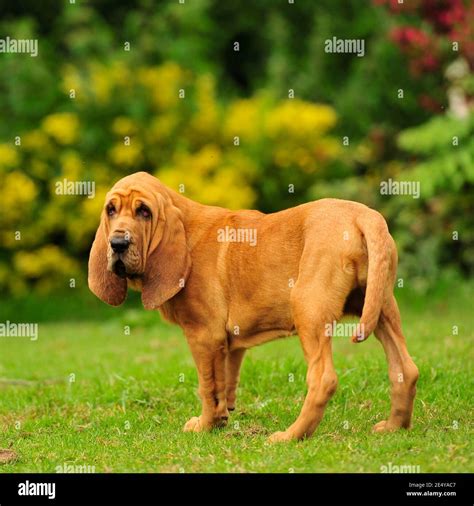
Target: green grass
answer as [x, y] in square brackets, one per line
[126, 408]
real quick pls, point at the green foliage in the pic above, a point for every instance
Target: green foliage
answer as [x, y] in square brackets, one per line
[446, 144]
[437, 135]
[217, 153]
[283, 143]
[442, 226]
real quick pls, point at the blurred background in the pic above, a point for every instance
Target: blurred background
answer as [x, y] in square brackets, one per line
[102, 100]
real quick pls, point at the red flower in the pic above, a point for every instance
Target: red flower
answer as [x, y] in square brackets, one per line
[463, 34]
[449, 20]
[395, 6]
[409, 37]
[443, 14]
[430, 104]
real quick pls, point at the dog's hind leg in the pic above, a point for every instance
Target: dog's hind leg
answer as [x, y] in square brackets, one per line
[314, 314]
[403, 373]
[322, 382]
[233, 363]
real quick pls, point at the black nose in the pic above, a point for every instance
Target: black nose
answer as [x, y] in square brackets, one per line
[119, 244]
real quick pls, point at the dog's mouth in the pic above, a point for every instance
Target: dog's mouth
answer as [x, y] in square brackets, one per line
[120, 269]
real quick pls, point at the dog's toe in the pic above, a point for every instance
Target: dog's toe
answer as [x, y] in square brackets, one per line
[280, 437]
[383, 426]
[193, 425]
[380, 426]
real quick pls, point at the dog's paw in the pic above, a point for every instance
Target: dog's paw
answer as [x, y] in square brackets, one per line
[193, 425]
[384, 426]
[280, 437]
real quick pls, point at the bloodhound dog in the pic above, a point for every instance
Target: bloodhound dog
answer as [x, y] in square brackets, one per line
[237, 279]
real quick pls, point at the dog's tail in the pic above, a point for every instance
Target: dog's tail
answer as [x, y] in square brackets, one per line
[381, 251]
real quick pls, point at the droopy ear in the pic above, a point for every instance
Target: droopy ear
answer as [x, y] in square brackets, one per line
[103, 283]
[168, 265]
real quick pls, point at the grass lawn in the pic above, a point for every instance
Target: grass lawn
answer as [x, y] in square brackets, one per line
[85, 393]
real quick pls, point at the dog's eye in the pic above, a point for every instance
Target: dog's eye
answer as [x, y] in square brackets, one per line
[143, 211]
[111, 209]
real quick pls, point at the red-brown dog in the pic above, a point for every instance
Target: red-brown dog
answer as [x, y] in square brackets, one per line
[236, 279]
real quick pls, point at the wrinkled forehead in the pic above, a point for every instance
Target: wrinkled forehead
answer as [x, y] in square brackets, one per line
[127, 194]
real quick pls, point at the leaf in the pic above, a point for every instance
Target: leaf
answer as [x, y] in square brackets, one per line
[436, 135]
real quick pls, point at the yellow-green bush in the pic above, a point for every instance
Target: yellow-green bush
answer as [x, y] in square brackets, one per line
[115, 120]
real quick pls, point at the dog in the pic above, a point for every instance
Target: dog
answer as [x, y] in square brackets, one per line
[236, 279]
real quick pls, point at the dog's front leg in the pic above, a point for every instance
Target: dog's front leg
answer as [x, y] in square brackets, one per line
[210, 359]
[233, 363]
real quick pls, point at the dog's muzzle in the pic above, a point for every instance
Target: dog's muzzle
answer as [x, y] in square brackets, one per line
[119, 244]
[120, 269]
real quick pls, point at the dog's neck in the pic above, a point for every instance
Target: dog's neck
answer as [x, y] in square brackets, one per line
[194, 215]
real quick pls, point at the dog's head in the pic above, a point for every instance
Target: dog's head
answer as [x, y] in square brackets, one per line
[141, 237]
